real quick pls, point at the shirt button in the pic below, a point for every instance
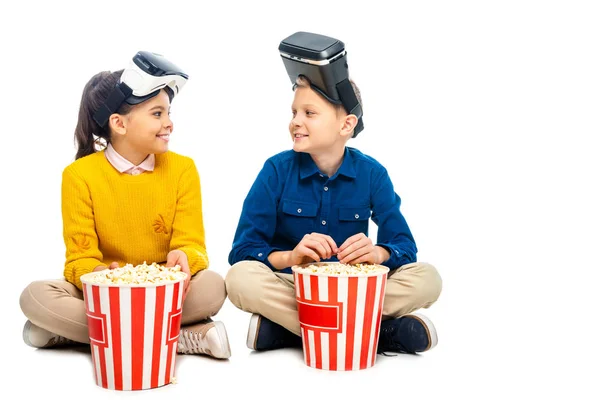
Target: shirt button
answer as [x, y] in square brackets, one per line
[260, 254]
[323, 222]
[299, 210]
[325, 188]
[321, 175]
[356, 216]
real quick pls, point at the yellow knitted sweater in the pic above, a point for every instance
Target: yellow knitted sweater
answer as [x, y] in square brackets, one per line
[110, 216]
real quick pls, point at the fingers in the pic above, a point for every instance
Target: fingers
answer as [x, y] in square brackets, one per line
[367, 258]
[356, 254]
[352, 244]
[171, 259]
[350, 241]
[112, 265]
[329, 241]
[357, 250]
[186, 268]
[315, 246]
[304, 251]
[320, 246]
[324, 245]
[187, 287]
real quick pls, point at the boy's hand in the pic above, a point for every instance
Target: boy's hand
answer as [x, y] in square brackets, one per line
[313, 247]
[178, 257]
[360, 249]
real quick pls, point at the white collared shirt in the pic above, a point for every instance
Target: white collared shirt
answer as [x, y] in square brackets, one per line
[123, 165]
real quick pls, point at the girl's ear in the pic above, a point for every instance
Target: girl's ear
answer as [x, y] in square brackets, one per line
[117, 124]
[348, 125]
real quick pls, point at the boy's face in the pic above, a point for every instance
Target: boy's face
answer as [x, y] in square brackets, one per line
[316, 127]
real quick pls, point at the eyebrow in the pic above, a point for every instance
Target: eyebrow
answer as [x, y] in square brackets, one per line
[308, 105]
[157, 108]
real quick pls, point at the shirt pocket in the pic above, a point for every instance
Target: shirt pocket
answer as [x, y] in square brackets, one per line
[353, 220]
[298, 218]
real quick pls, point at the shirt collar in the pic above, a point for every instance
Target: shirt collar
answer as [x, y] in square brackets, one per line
[309, 168]
[122, 164]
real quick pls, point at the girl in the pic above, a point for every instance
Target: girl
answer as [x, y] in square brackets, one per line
[127, 199]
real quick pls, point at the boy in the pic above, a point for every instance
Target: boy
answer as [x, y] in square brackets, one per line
[313, 204]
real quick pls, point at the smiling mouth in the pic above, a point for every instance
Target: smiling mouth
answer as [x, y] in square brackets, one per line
[164, 137]
[299, 135]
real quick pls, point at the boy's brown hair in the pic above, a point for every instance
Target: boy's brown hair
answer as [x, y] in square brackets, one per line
[301, 81]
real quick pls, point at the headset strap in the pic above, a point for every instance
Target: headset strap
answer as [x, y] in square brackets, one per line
[112, 104]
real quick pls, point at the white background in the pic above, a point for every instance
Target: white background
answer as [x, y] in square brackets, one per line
[484, 113]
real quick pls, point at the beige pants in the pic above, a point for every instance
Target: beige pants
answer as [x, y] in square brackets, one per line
[255, 288]
[57, 305]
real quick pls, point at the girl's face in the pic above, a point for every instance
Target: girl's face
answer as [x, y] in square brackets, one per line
[315, 126]
[147, 129]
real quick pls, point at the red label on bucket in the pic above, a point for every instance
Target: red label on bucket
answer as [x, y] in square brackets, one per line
[174, 322]
[320, 316]
[97, 328]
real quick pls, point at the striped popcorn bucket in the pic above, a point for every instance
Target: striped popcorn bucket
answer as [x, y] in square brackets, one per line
[133, 332]
[339, 318]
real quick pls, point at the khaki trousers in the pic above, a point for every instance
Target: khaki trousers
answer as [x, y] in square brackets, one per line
[58, 307]
[253, 287]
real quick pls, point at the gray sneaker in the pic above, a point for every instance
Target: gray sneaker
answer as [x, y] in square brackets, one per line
[204, 338]
[40, 338]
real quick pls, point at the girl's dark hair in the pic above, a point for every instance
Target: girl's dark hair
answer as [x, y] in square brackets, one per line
[90, 136]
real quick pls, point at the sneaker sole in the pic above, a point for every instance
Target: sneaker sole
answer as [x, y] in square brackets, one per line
[431, 332]
[253, 331]
[224, 339]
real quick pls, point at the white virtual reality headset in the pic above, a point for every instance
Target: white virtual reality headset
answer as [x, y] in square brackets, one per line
[143, 79]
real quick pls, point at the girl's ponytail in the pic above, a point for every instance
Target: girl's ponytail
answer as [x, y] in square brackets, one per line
[90, 136]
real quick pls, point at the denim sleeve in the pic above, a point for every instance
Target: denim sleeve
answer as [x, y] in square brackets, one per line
[257, 223]
[393, 232]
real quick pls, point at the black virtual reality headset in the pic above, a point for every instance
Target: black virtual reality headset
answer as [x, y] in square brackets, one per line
[322, 60]
[143, 79]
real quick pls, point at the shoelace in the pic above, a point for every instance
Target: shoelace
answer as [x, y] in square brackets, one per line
[192, 343]
[59, 340]
[387, 337]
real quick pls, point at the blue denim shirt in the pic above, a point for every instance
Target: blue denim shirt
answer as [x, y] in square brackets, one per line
[291, 198]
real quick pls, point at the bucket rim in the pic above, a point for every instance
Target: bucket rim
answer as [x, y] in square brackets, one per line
[85, 278]
[298, 269]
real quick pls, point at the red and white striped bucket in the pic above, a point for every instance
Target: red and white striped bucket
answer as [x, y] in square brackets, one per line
[339, 318]
[133, 333]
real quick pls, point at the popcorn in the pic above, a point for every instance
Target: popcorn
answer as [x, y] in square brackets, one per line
[343, 269]
[144, 274]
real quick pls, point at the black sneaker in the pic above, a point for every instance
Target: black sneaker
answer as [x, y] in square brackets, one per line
[264, 334]
[412, 333]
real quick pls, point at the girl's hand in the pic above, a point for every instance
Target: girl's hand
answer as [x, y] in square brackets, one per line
[178, 257]
[112, 265]
[359, 249]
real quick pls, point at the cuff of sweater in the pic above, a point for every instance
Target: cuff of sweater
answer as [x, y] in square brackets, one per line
[197, 260]
[73, 273]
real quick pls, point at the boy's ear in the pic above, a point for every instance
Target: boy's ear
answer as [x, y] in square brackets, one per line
[349, 124]
[117, 124]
